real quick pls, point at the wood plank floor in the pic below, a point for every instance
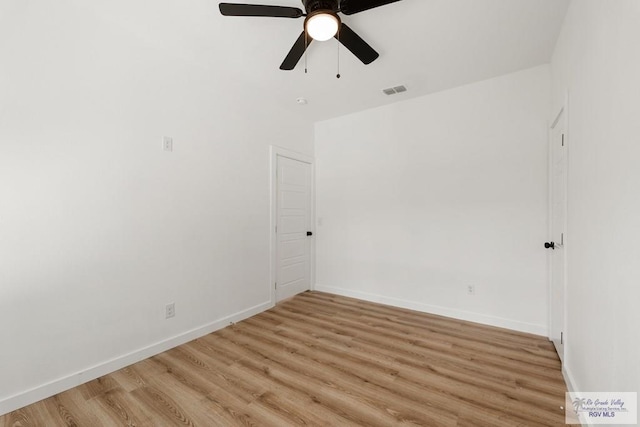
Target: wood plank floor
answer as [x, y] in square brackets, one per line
[321, 359]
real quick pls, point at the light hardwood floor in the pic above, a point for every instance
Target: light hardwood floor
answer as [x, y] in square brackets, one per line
[321, 359]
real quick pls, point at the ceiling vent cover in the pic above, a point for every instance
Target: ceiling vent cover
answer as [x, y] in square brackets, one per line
[394, 90]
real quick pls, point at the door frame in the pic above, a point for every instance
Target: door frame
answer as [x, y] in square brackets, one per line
[561, 114]
[274, 153]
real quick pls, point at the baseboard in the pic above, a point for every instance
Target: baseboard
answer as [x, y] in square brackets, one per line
[36, 394]
[570, 381]
[441, 311]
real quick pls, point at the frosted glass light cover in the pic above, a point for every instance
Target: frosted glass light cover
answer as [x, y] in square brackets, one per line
[322, 27]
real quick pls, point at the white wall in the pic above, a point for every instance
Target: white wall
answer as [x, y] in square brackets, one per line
[99, 228]
[597, 61]
[421, 198]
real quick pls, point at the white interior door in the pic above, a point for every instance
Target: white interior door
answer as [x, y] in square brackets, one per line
[293, 224]
[556, 246]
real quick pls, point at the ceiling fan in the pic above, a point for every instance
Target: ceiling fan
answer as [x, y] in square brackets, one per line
[321, 23]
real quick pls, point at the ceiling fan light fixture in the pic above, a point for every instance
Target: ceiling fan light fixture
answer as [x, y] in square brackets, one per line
[323, 25]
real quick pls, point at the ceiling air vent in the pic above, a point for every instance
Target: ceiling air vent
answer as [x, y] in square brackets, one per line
[394, 90]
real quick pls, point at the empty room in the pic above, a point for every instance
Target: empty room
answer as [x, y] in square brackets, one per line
[319, 212]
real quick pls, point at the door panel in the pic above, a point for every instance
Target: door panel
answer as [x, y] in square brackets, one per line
[295, 272]
[292, 249]
[291, 223]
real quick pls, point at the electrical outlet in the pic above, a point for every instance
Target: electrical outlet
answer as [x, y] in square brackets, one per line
[167, 143]
[471, 289]
[170, 310]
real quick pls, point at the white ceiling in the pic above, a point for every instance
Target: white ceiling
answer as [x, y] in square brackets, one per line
[427, 45]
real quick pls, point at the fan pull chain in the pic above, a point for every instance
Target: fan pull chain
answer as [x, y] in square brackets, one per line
[338, 75]
[305, 50]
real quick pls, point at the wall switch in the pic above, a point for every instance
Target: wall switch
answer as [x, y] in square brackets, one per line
[170, 310]
[167, 143]
[471, 290]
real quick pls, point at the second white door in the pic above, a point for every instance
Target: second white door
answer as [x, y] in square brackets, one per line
[558, 205]
[293, 227]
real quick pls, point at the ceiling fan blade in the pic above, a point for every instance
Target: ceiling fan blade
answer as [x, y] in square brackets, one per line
[356, 45]
[296, 52]
[239, 9]
[349, 7]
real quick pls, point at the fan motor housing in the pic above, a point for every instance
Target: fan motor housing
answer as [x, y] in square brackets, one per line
[313, 5]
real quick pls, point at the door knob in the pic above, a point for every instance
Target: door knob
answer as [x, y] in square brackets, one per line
[549, 245]
[309, 233]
